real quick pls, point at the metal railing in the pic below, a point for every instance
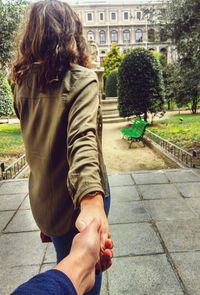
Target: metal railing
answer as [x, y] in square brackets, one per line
[191, 160]
[13, 169]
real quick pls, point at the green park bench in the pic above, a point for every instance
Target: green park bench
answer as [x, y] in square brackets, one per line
[135, 132]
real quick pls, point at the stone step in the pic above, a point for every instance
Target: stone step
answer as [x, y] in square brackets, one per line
[114, 120]
[111, 116]
[109, 100]
[117, 120]
[109, 104]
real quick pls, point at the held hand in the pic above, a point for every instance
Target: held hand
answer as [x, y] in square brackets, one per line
[106, 256]
[93, 207]
[85, 248]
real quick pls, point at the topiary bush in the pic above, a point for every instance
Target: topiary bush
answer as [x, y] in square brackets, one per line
[111, 84]
[6, 98]
[140, 84]
[112, 60]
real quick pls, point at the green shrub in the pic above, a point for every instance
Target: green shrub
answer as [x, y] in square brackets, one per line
[111, 84]
[6, 99]
[112, 60]
[140, 85]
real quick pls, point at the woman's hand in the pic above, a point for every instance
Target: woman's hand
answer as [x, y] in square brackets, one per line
[93, 207]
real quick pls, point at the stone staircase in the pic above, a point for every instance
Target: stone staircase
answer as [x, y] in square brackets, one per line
[110, 111]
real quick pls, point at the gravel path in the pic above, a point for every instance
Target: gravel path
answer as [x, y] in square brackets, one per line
[119, 158]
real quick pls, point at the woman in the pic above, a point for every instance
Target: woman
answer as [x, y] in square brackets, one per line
[56, 100]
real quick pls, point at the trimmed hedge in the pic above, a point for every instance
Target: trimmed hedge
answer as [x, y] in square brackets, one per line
[6, 97]
[111, 84]
[112, 60]
[140, 84]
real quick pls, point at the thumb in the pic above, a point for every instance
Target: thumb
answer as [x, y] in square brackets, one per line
[80, 225]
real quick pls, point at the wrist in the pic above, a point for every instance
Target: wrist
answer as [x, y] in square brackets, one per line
[67, 266]
[94, 198]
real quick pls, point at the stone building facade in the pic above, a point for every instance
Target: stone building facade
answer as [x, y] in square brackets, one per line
[124, 24]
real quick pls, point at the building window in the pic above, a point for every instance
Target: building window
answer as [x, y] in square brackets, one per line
[126, 16]
[138, 35]
[151, 35]
[113, 16]
[102, 37]
[101, 16]
[90, 35]
[89, 16]
[163, 51]
[114, 36]
[126, 36]
[163, 35]
[138, 15]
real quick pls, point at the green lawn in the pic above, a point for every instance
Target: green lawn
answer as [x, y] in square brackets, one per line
[185, 134]
[11, 144]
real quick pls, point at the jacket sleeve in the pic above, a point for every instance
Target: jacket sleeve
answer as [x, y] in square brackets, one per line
[50, 282]
[83, 159]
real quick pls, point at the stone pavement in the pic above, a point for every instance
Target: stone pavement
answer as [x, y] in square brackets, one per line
[155, 225]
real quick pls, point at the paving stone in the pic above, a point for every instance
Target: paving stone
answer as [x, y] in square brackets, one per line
[189, 190]
[135, 239]
[26, 204]
[188, 265]
[104, 286]
[150, 177]
[194, 204]
[21, 249]
[120, 180]
[22, 221]
[168, 209]
[11, 202]
[128, 212]
[159, 191]
[144, 275]
[50, 255]
[5, 218]
[12, 277]
[182, 176]
[46, 267]
[181, 235]
[124, 194]
[14, 187]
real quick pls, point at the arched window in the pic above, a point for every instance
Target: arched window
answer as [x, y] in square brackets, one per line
[114, 36]
[90, 35]
[102, 37]
[164, 51]
[151, 35]
[138, 35]
[163, 35]
[126, 36]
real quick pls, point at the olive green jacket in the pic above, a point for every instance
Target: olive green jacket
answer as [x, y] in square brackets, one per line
[61, 130]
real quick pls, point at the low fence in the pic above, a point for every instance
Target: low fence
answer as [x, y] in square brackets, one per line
[191, 160]
[12, 170]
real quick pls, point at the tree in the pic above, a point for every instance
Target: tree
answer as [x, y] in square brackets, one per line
[181, 22]
[184, 26]
[6, 100]
[10, 15]
[170, 73]
[111, 84]
[112, 60]
[141, 87]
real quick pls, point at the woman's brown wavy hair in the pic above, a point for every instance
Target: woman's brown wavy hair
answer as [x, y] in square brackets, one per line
[53, 37]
